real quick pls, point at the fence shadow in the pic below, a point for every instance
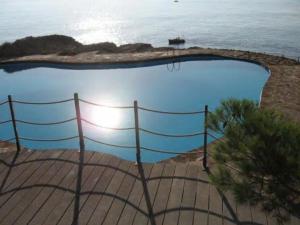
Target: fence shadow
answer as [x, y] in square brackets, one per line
[139, 176]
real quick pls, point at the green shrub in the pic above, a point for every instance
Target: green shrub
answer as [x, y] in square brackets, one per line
[259, 159]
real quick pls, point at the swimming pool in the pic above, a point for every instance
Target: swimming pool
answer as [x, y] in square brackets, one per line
[184, 86]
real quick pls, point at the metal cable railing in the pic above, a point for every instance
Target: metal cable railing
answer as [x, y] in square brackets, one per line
[104, 127]
[107, 144]
[46, 124]
[43, 103]
[3, 103]
[212, 136]
[167, 151]
[106, 106]
[83, 137]
[8, 140]
[172, 135]
[48, 140]
[6, 121]
[170, 113]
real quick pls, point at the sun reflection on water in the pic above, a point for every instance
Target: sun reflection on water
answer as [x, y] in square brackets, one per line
[106, 117]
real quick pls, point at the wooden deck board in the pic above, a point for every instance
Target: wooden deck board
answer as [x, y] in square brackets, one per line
[174, 202]
[23, 155]
[117, 207]
[229, 209]
[19, 201]
[135, 198]
[215, 207]
[162, 195]
[66, 198]
[34, 202]
[41, 189]
[104, 204]
[258, 216]
[91, 169]
[41, 206]
[17, 169]
[69, 209]
[186, 215]
[107, 174]
[152, 186]
[202, 199]
[18, 177]
[244, 213]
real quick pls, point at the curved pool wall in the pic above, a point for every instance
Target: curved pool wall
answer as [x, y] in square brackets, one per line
[186, 85]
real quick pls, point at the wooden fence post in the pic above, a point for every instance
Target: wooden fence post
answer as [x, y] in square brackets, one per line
[81, 161]
[137, 133]
[79, 125]
[13, 119]
[205, 138]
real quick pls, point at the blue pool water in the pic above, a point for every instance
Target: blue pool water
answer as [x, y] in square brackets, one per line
[184, 87]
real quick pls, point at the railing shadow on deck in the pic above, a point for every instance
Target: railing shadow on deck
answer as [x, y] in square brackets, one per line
[80, 162]
[140, 177]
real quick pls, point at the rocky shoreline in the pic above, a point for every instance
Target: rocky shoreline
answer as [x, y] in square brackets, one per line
[282, 90]
[66, 46]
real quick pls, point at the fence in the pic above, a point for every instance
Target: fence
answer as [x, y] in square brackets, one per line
[81, 137]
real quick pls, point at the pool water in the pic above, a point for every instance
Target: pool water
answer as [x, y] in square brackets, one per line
[184, 86]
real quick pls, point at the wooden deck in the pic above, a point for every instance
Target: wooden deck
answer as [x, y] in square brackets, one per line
[43, 187]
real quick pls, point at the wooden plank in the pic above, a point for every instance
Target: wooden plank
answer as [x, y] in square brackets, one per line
[293, 221]
[29, 204]
[21, 168]
[258, 216]
[109, 165]
[175, 198]
[18, 176]
[106, 201]
[189, 195]
[4, 168]
[19, 201]
[6, 158]
[272, 220]
[135, 198]
[66, 198]
[43, 204]
[114, 213]
[229, 209]
[162, 195]
[86, 186]
[215, 216]
[244, 213]
[202, 200]
[152, 186]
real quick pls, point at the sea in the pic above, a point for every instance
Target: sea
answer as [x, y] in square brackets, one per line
[271, 26]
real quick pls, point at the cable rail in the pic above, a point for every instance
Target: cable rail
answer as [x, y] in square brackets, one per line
[107, 144]
[104, 127]
[172, 135]
[105, 106]
[46, 123]
[8, 140]
[48, 140]
[170, 113]
[43, 103]
[167, 151]
[6, 121]
[214, 137]
[3, 103]
[81, 119]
